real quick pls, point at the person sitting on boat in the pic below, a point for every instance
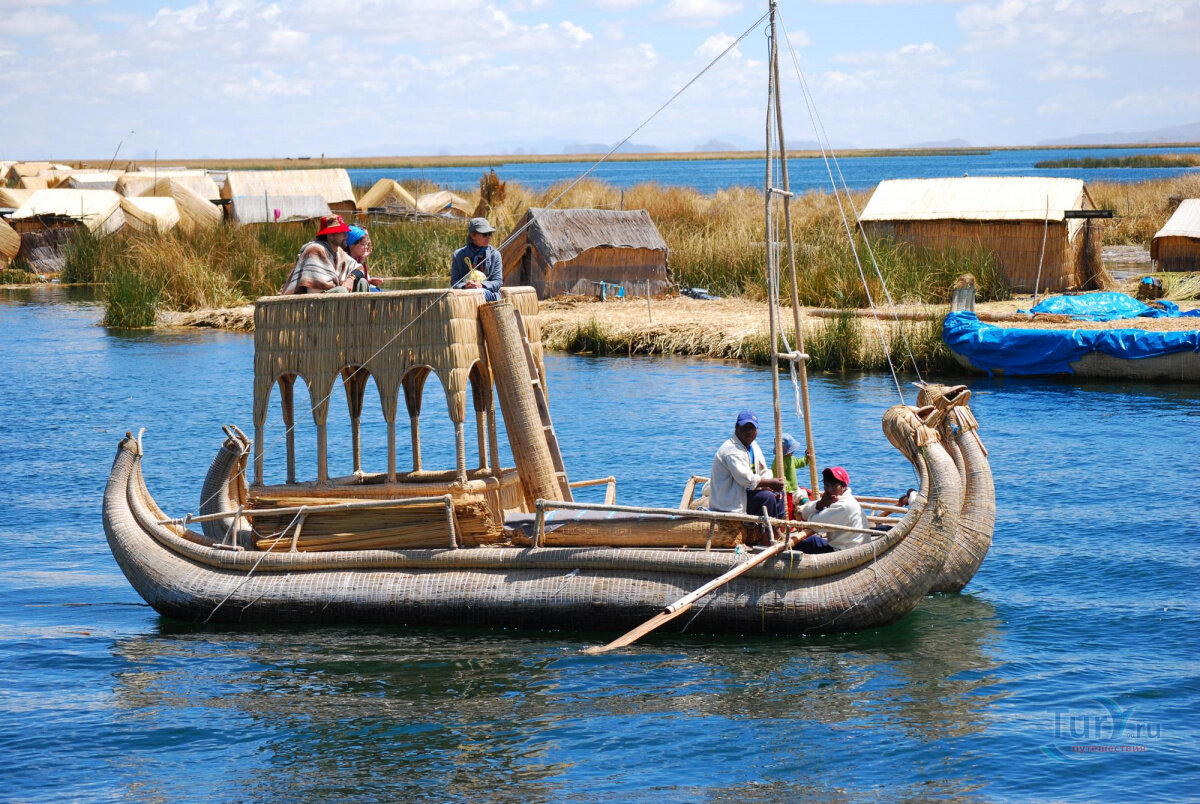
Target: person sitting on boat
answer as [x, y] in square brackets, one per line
[836, 506]
[323, 266]
[740, 482]
[359, 247]
[792, 460]
[478, 255]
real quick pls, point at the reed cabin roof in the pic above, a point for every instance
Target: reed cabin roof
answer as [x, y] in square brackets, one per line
[1184, 223]
[983, 198]
[134, 184]
[560, 235]
[331, 184]
[95, 209]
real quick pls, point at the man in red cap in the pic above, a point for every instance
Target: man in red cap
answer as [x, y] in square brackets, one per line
[836, 506]
[323, 266]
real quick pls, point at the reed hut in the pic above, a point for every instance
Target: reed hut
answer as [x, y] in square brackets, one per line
[20, 170]
[389, 195]
[247, 209]
[1176, 246]
[97, 210]
[10, 244]
[332, 185]
[33, 183]
[142, 183]
[572, 251]
[150, 213]
[1021, 221]
[444, 202]
[78, 180]
[195, 213]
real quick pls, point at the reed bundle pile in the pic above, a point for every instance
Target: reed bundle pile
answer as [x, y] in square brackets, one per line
[421, 525]
[10, 243]
[575, 529]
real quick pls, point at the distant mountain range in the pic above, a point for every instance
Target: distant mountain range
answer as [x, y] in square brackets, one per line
[1188, 132]
[956, 143]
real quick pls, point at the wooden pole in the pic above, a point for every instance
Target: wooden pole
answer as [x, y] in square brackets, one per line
[810, 451]
[772, 273]
[687, 601]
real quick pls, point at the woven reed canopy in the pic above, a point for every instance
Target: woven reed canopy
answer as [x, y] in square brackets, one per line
[398, 338]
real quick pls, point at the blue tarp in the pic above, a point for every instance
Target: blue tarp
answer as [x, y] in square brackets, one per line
[1108, 307]
[1051, 351]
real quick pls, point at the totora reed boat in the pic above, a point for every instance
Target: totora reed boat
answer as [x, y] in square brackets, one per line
[488, 545]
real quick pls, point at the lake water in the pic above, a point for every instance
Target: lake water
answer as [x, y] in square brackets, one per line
[1087, 600]
[858, 172]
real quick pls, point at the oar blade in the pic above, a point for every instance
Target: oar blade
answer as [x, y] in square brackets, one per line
[633, 636]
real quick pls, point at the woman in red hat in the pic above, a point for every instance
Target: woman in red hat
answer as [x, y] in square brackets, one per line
[323, 266]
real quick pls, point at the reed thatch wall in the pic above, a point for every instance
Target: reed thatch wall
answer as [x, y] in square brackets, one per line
[331, 184]
[1070, 263]
[568, 251]
[248, 209]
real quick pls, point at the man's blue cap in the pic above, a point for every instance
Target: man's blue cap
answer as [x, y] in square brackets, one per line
[790, 445]
[747, 416]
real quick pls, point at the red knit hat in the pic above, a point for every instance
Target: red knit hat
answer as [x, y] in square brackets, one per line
[333, 224]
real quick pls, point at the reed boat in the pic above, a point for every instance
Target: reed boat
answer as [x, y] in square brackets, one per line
[465, 561]
[1128, 353]
[509, 546]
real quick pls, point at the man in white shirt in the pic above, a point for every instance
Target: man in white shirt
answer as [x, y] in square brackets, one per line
[836, 506]
[740, 481]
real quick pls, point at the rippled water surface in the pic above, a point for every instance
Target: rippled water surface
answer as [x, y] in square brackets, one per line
[1085, 609]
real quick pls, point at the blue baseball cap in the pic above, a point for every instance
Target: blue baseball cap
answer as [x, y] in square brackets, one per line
[747, 417]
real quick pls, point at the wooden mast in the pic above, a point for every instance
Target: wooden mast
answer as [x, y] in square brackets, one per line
[797, 317]
[772, 268]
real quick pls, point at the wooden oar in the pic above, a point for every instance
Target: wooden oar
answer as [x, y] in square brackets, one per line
[687, 601]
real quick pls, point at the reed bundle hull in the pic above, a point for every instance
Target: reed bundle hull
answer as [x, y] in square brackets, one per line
[183, 576]
[977, 520]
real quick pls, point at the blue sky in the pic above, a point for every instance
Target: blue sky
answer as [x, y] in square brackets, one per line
[354, 77]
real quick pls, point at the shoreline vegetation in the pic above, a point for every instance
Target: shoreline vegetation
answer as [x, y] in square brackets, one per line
[494, 160]
[716, 242]
[1136, 161]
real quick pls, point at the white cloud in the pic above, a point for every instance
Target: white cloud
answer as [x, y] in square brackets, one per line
[1062, 71]
[574, 32]
[715, 45]
[699, 13]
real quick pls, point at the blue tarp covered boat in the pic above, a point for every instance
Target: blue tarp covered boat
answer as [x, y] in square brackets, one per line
[1119, 353]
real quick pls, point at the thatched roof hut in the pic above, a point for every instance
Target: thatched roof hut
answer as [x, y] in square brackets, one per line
[195, 213]
[1176, 246]
[19, 170]
[1007, 216]
[142, 183]
[331, 184]
[444, 202]
[570, 251]
[33, 183]
[98, 210]
[78, 180]
[388, 194]
[278, 209]
[150, 213]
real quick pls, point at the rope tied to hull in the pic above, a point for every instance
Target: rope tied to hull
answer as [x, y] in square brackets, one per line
[279, 537]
